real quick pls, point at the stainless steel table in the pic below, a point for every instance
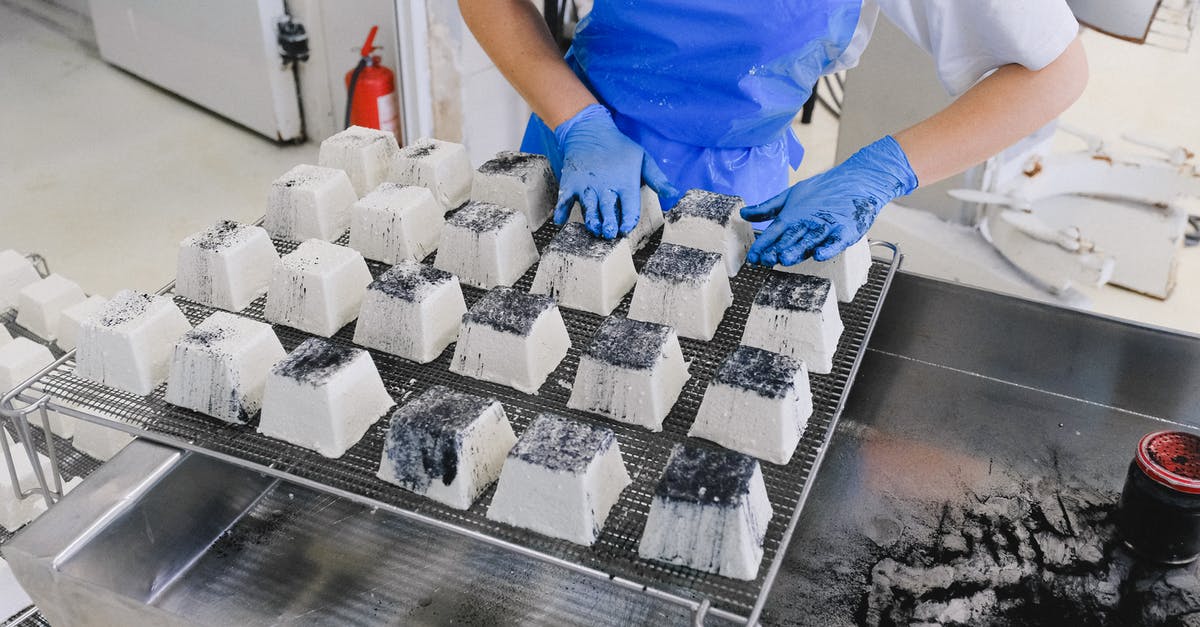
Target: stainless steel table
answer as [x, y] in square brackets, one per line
[971, 479]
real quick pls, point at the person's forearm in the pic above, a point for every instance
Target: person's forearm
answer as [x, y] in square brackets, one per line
[516, 38]
[1003, 108]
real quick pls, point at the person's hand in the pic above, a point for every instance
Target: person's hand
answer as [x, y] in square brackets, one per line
[603, 169]
[821, 216]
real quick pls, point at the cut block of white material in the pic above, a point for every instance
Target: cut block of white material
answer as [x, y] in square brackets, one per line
[367, 155]
[71, 319]
[99, 441]
[511, 338]
[394, 222]
[442, 167]
[685, 288]
[649, 223]
[848, 271]
[632, 372]
[758, 404]
[220, 367]
[127, 344]
[446, 445]
[16, 513]
[585, 272]
[710, 512]
[561, 480]
[20, 359]
[15, 273]
[226, 266]
[323, 397]
[796, 315]
[318, 288]
[412, 310]
[486, 245]
[41, 303]
[521, 181]
[308, 202]
[711, 222]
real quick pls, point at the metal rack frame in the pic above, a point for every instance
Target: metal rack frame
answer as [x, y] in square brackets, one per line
[55, 389]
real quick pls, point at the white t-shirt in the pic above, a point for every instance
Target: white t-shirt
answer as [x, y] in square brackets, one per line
[970, 38]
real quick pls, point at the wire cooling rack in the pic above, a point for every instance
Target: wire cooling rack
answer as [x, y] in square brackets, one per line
[614, 555]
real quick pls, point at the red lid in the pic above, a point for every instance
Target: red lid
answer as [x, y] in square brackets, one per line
[1172, 458]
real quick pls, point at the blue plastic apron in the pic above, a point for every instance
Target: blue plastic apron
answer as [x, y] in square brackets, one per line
[708, 88]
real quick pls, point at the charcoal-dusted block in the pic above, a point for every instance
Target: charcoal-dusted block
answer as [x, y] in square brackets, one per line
[585, 272]
[561, 480]
[309, 202]
[758, 404]
[412, 310]
[712, 222]
[127, 344]
[649, 221]
[685, 288]
[486, 245]
[226, 266]
[848, 271]
[220, 367]
[366, 155]
[796, 315]
[442, 167]
[632, 372]
[521, 181]
[511, 338]
[318, 288]
[323, 397]
[710, 512]
[447, 445]
[395, 222]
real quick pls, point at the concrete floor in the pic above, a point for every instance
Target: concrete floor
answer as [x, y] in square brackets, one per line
[103, 173]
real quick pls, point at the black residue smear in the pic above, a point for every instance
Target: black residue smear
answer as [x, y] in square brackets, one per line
[519, 164]
[1040, 555]
[793, 292]
[125, 306]
[220, 236]
[315, 360]
[679, 264]
[698, 475]
[258, 529]
[410, 281]
[509, 310]
[765, 373]
[481, 217]
[559, 443]
[424, 439]
[629, 343]
[419, 150]
[575, 241]
[698, 203]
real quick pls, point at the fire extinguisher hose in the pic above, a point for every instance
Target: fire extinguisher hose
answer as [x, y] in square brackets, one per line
[362, 63]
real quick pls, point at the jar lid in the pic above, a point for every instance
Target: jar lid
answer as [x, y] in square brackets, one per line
[1171, 458]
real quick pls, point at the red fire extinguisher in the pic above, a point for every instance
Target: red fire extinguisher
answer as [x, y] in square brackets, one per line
[371, 92]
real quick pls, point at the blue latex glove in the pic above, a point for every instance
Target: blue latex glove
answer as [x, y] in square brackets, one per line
[603, 169]
[821, 216]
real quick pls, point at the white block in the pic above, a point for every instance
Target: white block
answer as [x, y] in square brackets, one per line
[585, 272]
[685, 288]
[649, 223]
[447, 445]
[15, 273]
[16, 513]
[323, 397]
[632, 372]
[309, 202]
[367, 155]
[99, 441]
[848, 271]
[42, 302]
[227, 266]
[511, 338]
[486, 245]
[220, 367]
[395, 222]
[71, 319]
[561, 480]
[710, 512]
[711, 222]
[442, 167]
[521, 181]
[127, 344]
[318, 288]
[20, 359]
[413, 311]
[758, 404]
[796, 315]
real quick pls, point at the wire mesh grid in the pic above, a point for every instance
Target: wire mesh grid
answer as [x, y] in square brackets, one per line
[614, 554]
